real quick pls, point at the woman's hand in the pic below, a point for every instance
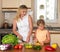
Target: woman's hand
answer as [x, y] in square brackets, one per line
[20, 37]
[27, 39]
[35, 40]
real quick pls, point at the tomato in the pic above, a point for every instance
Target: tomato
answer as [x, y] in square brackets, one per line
[16, 47]
[20, 46]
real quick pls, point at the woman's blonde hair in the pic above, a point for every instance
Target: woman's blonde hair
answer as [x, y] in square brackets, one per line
[18, 12]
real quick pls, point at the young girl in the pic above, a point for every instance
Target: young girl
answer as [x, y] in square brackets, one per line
[22, 24]
[42, 35]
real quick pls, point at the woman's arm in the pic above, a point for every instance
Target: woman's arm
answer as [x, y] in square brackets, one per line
[30, 28]
[15, 30]
[34, 38]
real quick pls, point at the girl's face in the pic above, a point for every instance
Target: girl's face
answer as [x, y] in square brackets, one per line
[41, 26]
[23, 12]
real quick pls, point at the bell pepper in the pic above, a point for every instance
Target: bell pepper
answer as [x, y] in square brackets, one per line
[49, 48]
[28, 45]
[54, 45]
[37, 47]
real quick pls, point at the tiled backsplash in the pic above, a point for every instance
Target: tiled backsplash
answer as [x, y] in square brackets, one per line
[10, 15]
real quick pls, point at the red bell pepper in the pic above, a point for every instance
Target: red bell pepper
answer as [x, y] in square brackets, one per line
[49, 48]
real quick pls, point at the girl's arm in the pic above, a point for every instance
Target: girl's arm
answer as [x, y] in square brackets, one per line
[15, 30]
[48, 37]
[30, 27]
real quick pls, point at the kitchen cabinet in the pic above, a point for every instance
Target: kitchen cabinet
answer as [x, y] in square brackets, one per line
[15, 3]
[1, 15]
[55, 38]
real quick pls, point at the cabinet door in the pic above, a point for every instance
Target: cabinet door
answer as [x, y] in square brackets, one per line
[55, 38]
[27, 3]
[15, 3]
[10, 3]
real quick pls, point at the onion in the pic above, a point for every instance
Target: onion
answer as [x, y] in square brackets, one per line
[5, 46]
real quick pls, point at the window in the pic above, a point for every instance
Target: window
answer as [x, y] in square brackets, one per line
[46, 9]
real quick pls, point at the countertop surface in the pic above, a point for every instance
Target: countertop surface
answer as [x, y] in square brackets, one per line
[30, 50]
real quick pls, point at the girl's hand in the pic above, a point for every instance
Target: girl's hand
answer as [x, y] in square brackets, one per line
[46, 41]
[42, 43]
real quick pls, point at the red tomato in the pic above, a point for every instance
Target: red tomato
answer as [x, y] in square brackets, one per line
[16, 47]
[20, 46]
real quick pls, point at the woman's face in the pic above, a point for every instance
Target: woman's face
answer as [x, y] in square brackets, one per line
[23, 12]
[41, 26]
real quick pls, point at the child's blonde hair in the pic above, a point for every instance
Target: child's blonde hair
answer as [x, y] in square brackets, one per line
[18, 12]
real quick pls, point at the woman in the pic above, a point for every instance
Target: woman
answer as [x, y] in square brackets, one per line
[23, 22]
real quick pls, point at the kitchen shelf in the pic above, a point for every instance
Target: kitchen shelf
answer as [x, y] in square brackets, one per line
[11, 9]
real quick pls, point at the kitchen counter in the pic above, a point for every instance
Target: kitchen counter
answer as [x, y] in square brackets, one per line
[5, 30]
[51, 32]
[10, 31]
[30, 50]
[54, 32]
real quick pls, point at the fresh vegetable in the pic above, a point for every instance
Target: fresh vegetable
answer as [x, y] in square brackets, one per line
[27, 45]
[10, 39]
[2, 47]
[37, 47]
[5, 46]
[37, 44]
[49, 48]
[18, 46]
[54, 45]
